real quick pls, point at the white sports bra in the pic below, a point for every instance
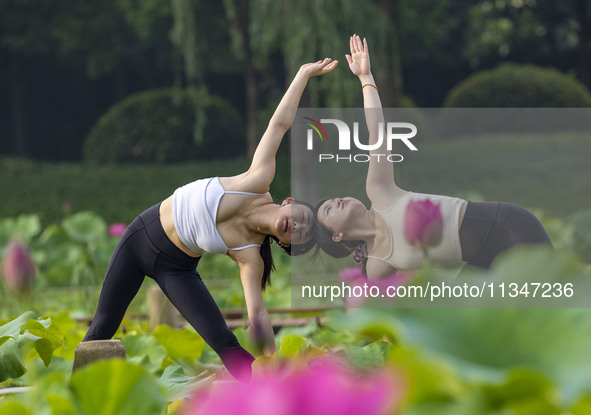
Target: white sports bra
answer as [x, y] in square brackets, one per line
[194, 212]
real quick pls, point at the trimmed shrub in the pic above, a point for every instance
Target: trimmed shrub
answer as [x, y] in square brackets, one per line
[157, 126]
[519, 86]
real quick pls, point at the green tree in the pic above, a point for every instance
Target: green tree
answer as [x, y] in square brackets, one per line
[308, 30]
[26, 29]
[529, 30]
[75, 42]
[114, 34]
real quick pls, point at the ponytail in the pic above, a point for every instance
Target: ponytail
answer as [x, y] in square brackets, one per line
[268, 264]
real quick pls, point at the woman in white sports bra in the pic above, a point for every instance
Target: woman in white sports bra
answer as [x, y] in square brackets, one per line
[475, 232]
[235, 216]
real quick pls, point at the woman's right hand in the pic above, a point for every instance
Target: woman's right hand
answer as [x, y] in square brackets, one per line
[318, 68]
[359, 57]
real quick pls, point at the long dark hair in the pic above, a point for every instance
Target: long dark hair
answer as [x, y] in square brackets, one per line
[268, 264]
[292, 250]
[323, 236]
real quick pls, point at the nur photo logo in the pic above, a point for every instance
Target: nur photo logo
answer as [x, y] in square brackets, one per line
[317, 127]
[402, 131]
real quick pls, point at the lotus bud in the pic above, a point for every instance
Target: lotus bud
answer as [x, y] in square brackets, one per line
[18, 268]
[117, 229]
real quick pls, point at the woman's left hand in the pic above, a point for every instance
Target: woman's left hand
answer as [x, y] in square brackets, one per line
[318, 68]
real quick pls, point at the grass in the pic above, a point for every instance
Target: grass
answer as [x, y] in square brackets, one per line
[117, 193]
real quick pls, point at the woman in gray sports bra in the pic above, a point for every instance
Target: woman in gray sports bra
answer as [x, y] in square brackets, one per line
[235, 216]
[472, 232]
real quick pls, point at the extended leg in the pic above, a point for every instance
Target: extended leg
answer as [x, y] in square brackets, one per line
[122, 282]
[189, 295]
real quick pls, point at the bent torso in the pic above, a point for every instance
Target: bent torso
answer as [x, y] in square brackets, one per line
[231, 220]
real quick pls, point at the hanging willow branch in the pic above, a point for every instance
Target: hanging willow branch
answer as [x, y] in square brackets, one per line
[185, 38]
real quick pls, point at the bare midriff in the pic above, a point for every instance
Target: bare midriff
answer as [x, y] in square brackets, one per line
[169, 228]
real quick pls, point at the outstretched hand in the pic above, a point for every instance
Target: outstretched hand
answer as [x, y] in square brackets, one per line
[359, 57]
[319, 68]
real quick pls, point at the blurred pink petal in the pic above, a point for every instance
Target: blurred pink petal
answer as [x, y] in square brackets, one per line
[330, 389]
[320, 389]
[117, 229]
[351, 274]
[423, 224]
[18, 268]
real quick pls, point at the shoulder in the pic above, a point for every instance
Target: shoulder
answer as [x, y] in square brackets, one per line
[245, 182]
[388, 198]
[249, 257]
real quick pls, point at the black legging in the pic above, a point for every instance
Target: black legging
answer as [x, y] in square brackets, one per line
[145, 249]
[490, 228]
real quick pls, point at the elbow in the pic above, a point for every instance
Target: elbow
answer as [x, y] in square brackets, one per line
[281, 126]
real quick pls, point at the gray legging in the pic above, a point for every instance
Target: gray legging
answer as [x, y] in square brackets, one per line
[145, 249]
[490, 228]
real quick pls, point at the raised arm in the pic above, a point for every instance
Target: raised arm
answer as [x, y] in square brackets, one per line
[262, 169]
[380, 175]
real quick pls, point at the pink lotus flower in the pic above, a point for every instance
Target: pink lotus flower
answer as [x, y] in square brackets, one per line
[18, 268]
[320, 389]
[117, 229]
[423, 224]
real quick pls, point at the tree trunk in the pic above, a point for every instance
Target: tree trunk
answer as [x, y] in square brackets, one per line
[18, 99]
[584, 52]
[389, 60]
[177, 68]
[146, 69]
[252, 125]
[121, 89]
[238, 13]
